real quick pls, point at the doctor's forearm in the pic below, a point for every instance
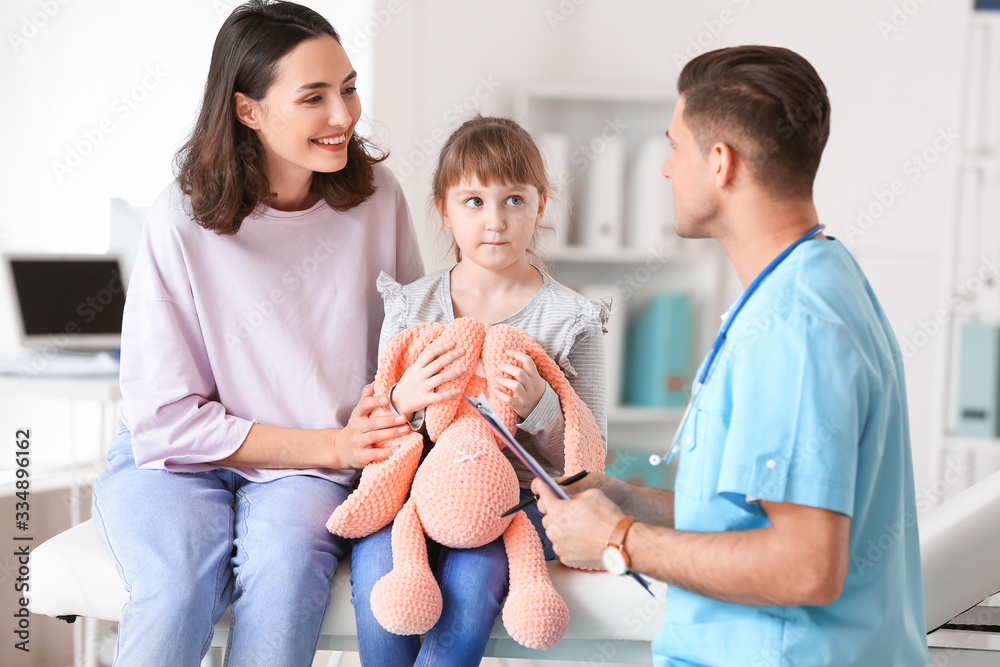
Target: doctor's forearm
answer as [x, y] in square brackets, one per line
[742, 567]
[651, 506]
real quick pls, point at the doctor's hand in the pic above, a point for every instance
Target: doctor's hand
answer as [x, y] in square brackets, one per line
[578, 528]
[619, 492]
[525, 384]
[361, 441]
[417, 387]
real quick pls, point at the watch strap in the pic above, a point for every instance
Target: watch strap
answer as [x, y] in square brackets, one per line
[617, 538]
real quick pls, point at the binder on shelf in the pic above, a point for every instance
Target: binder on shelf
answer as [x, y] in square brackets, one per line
[603, 198]
[658, 368]
[991, 85]
[649, 218]
[987, 299]
[979, 381]
[614, 342]
[554, 147]
[980, 126]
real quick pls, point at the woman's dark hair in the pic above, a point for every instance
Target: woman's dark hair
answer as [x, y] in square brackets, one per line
[221, 167]
[766, 103]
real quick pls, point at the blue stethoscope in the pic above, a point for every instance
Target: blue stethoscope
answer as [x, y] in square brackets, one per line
[720, 340]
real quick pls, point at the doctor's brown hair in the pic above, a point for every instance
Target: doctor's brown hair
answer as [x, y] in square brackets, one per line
[494, 150]
[221, 167]
[766, 103]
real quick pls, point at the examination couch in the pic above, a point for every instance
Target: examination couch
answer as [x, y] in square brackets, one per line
[612, 619]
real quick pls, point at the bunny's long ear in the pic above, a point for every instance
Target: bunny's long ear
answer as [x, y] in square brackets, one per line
[384, 485]
[584, 449]
[467, 334]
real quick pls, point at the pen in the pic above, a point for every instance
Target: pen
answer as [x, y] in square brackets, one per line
[534, 499]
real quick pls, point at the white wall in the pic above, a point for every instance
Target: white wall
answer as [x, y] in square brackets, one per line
[893, 87]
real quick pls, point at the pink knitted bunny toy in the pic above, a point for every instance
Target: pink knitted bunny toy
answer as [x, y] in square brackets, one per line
[462, 486]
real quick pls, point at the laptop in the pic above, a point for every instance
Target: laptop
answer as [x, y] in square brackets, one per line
[68, 310]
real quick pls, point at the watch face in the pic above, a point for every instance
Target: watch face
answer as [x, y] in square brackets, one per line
[614, 562]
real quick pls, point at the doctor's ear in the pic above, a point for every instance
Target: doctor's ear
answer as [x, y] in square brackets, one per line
[724, 162]
[248, 111]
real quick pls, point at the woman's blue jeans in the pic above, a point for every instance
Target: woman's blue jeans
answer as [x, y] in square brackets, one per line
[473, 584]
[189, 544]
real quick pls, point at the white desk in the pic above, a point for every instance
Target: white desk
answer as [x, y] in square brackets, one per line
[72, 464]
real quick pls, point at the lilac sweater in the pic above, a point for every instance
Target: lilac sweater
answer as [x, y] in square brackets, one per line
[277, 324]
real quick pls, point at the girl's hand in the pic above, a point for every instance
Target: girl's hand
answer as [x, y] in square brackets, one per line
[360, 442]
[416, 388]
[525, 384]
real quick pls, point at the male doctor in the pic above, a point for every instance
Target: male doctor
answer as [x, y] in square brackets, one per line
[790, 537]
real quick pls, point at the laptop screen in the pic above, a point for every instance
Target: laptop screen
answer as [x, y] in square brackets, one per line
[72, 302]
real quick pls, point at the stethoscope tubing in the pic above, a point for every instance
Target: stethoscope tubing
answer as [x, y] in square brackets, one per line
[720, 340]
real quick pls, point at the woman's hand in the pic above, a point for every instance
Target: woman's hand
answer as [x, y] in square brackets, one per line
[360, 442]
[525, 384]
[416, 388]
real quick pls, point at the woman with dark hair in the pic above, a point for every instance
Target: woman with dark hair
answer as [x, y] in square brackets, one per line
[250, 331]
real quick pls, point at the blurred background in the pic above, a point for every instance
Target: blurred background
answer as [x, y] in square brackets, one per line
[101, 94]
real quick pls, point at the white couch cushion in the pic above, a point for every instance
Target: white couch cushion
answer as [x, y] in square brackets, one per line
[73, 574]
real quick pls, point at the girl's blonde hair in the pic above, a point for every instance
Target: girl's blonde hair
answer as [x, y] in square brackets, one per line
[494, 150]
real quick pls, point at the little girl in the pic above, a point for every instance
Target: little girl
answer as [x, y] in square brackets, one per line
[490, 190]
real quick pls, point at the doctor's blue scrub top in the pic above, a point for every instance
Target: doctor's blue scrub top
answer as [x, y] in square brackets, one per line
[806, 405]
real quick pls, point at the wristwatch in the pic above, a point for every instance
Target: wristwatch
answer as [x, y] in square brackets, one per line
[615, 558]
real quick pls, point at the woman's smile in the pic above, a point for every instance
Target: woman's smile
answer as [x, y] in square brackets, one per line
[333, 142]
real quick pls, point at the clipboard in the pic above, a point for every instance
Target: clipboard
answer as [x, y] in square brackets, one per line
[485, 410]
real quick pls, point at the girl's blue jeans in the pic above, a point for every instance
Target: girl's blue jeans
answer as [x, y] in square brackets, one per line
[473, 584]
[189, 544]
